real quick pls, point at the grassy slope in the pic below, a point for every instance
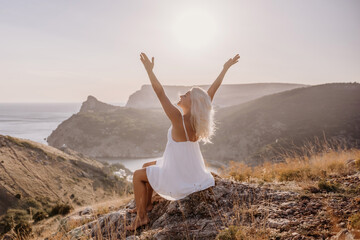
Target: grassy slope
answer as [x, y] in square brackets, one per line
[34, 170]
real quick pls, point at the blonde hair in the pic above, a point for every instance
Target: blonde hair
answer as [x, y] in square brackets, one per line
[202, 114]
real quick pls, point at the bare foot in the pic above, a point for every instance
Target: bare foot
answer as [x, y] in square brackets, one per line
[138, 223]
[148, 209]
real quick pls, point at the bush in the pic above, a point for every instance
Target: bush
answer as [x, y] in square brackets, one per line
[30, 202]
[296, 174]
[23, 229]
[11, 218]
[290, 175]
[18, 215]
[39, 215]
[328, 187]
[6, 224]
[61, 208]
[239, 171]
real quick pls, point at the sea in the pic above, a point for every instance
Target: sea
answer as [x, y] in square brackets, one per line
[36, 121]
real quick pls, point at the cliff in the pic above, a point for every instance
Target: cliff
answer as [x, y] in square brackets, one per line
[93, 105]
[103, 130]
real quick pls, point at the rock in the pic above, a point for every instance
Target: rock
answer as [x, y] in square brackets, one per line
[94, 105]
[344, 234]
[201, 215]
[197, 215]
[278, 223]
[86, 211]
[342, 224]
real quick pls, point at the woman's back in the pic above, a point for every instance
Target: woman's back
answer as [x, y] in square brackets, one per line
[181, 170]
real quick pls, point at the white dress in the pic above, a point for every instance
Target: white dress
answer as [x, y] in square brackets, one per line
[180, 171]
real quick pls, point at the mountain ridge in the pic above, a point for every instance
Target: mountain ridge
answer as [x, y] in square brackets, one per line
[137, 133]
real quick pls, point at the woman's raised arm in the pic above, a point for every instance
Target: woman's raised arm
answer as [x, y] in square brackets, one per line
[158, 88]
[214, 87]
[171, 111]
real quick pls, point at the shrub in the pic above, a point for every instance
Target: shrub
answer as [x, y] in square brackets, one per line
[11, 218]
[18, 215]
[239, 171]
[6, 224]
[30, 202]
[23, 229]
[61, 208]
[39, 215]
[290, 175]
[328, 187]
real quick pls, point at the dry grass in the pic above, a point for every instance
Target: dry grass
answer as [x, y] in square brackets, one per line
[47, 227]
[313, 165]
[314, 162]
[246, 223]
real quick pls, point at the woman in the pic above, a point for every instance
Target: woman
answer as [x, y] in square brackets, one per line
[181, 171]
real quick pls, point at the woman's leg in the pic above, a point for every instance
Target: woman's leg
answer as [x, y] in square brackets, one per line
[139, 180]
[149, 191]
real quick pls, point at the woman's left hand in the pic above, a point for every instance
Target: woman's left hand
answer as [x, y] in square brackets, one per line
[147, 64]
[231, 61]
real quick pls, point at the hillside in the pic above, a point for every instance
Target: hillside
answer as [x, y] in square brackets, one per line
[227, 95]
[247, 132]
[265, 127]
[113, 131]
[37, 175]
[324, 205]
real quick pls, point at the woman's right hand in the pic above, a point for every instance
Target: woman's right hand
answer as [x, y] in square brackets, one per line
[231, 61]
[147, 64]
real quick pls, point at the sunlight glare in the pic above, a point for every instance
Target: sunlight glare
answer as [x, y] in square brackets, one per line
[194, 28]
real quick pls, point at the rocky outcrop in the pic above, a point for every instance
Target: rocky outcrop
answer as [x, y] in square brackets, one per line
[227, 95]
[113, 131]
[93, 105]
[277, 214]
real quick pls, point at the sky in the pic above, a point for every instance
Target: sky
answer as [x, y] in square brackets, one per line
[65, 50]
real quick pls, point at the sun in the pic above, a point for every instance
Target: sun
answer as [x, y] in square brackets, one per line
[194, 28]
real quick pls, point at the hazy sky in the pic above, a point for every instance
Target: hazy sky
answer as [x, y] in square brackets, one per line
[63, 51]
